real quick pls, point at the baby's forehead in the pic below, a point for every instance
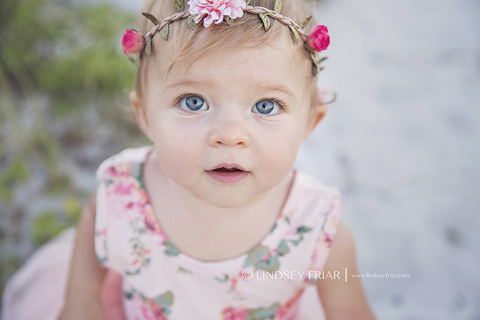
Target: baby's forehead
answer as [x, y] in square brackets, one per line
[270, 61]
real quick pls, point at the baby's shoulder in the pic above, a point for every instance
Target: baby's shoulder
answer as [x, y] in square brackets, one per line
[313, 189]
[314, 202]
[127, 157]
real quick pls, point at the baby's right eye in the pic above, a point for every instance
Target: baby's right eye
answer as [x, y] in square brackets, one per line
[193, 103]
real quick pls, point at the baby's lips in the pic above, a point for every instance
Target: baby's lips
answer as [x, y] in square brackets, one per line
[228, 166]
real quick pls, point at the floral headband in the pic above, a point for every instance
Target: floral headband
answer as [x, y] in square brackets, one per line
[215, 11]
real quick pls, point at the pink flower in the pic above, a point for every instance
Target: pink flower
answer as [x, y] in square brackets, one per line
[153, 311]
[132, 42]
[328, 240]
[124, 188]
[287, 310]
[231, 313]
[215, 10]
[318, 39]
[150, 223]
[118, 171]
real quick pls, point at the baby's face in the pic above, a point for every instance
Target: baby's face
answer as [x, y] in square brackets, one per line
[229, 129]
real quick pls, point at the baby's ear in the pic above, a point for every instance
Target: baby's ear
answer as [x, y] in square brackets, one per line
[317, 113]
[140, 113]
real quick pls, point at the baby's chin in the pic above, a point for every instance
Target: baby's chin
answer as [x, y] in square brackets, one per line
[230, 198]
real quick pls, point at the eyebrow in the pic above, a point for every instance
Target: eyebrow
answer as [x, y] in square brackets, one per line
[206, 83]
[278, 87]
[186, 83]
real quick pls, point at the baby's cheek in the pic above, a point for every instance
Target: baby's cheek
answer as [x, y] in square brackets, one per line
[280, 154]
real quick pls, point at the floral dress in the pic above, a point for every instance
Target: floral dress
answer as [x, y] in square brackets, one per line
[160, 282]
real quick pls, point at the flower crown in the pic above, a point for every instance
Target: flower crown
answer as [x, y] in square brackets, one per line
[215, 11]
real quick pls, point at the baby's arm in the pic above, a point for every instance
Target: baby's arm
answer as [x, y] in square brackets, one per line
[340, 299]
[82, 293]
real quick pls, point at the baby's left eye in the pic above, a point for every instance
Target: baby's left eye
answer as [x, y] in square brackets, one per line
[266, 107]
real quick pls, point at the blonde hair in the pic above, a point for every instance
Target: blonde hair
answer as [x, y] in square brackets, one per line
[221, 36]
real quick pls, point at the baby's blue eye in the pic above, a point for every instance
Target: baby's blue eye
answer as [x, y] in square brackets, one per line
[266, 107]
[193, 103]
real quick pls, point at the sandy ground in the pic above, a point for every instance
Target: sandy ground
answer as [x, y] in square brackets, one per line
[402, 144]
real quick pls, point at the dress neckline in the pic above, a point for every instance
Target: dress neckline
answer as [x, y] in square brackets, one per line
[272, 237]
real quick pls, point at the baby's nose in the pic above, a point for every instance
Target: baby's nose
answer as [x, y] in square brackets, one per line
[230, 134]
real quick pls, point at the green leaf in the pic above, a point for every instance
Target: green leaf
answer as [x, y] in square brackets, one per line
[270, 265]
[148, 47]
[303, 229]
[228, 20]
[309, 49]
[295, 33]
[277, 7]
[191, 21]
[256, 255]
[146, 262]
[282, 248]
[273, 228]
[132, 273]
[132, 60]
[128, 294]
[170, 249]
[224, 279]
[305, 21]
[263, 313]
[179, 5]
[151, 17]
[165, 31]
[101, 260]
[296, 242]
[321, 60]
[165, 300]
[183, 270]
[248, 2]
[265, 20]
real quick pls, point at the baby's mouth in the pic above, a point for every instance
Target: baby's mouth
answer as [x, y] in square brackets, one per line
[228, 173]
[223, 169]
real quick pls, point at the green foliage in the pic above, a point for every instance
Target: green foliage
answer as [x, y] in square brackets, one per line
[15, 171]
[46, 226]
[70, 54]
[65, 51]
[56, 61]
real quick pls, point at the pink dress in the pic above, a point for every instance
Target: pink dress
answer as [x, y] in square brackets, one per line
[274, 280]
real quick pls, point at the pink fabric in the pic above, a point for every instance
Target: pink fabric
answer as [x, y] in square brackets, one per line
[36, 290]
[153, 280]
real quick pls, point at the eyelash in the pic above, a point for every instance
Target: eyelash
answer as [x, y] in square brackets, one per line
[280, 104]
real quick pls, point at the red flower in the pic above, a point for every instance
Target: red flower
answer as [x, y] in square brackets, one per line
[318, 39]
[132, 42]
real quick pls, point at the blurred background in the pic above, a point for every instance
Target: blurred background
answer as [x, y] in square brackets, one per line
[401, 143]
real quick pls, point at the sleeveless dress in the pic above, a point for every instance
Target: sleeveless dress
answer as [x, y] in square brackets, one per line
[274, 280]
[160, 282]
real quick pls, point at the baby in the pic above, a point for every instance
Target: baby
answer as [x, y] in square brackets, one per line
[212, 221]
